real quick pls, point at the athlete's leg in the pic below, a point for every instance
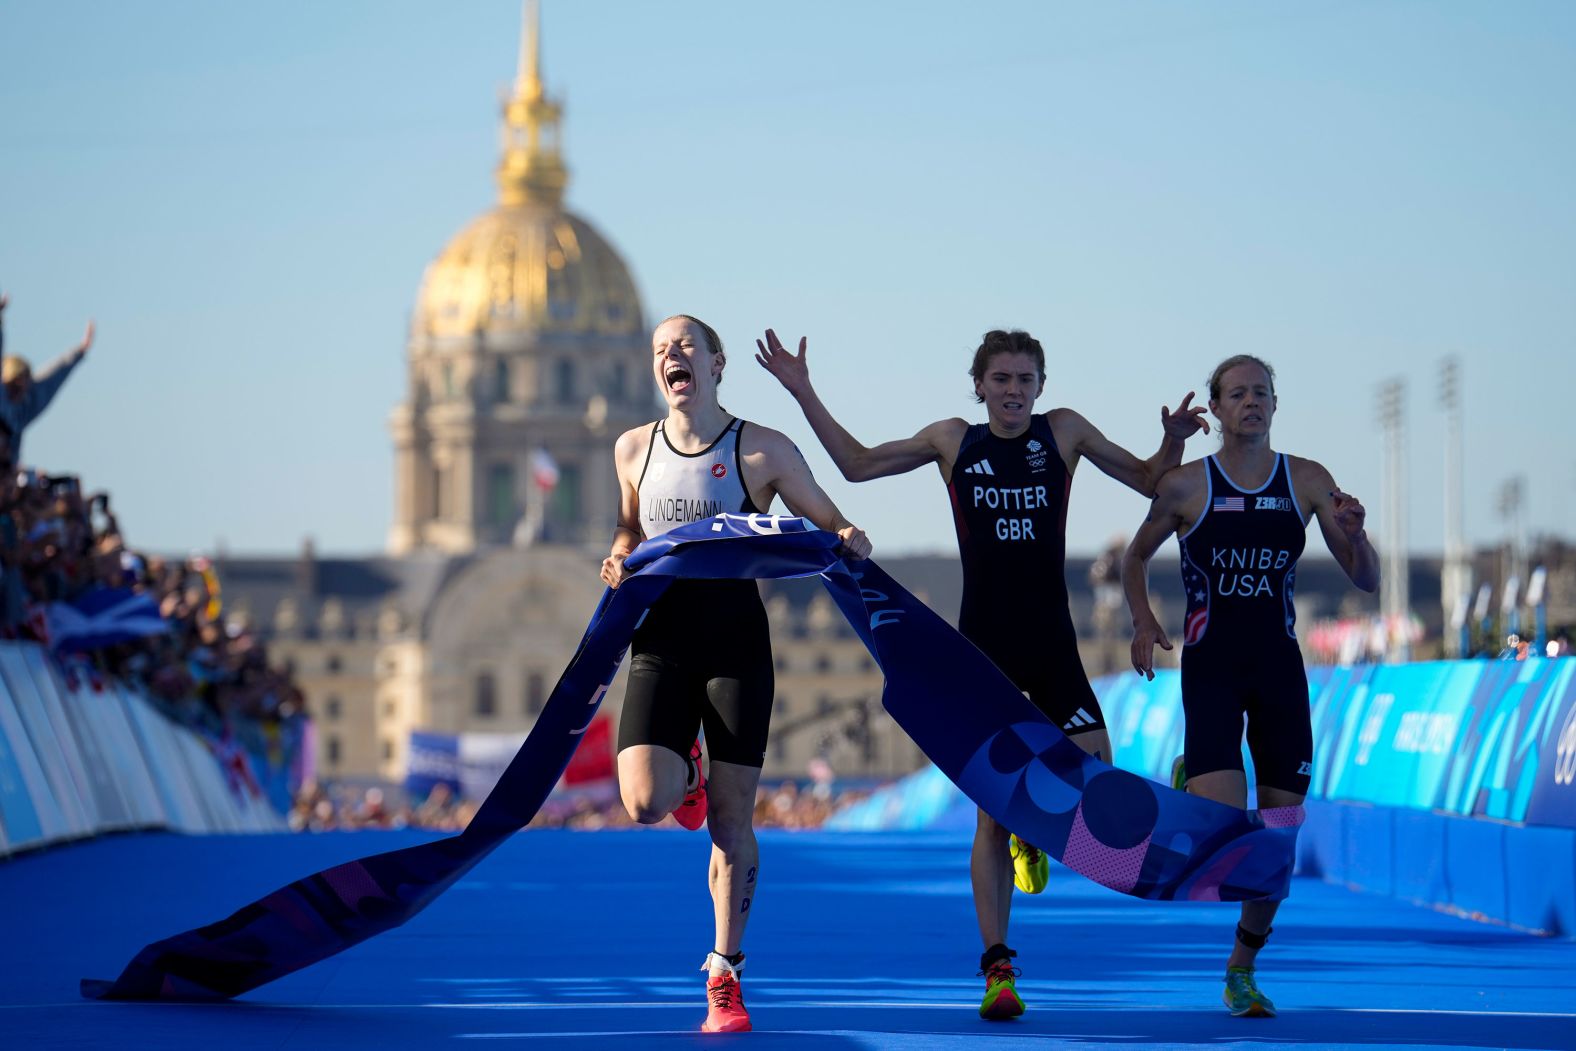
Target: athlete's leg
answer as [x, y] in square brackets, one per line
[990, 871]
[652, 780]
[655, 731]
[735, 855]
[1257, 916]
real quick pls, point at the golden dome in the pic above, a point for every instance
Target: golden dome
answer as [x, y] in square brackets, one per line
[528, 264]
[531, 268]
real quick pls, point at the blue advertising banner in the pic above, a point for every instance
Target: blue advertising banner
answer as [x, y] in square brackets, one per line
[1493, 739]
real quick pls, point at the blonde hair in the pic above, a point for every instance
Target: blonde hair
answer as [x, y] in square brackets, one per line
[13, 367]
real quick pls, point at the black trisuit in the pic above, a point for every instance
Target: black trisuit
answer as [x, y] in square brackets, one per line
[702, 655]
[1009, 503]
[1239, 644]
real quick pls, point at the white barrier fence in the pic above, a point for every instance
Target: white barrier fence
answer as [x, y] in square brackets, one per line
[78, 762]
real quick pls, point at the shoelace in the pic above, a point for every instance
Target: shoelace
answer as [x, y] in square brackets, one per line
[721, 995]
[1243, 984]
[1000, 971]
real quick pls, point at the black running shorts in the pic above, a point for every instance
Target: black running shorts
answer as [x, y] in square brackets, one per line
[1222, 685]
[702, 658]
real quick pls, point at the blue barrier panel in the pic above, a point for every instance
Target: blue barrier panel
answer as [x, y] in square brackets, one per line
[49, 693]
[49, 750]
[17, 813]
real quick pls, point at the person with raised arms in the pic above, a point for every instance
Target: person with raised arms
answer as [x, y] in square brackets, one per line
[701, 657]
[1009, 479]
[1240, 518]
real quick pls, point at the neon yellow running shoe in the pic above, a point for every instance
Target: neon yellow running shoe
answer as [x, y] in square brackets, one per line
[1031, 869]
[1001, 994]
[1242, 997]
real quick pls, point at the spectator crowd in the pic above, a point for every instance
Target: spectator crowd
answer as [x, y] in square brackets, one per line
[69, 581]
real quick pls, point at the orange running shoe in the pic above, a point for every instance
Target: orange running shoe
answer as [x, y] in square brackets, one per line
[692, 812]
[725, 1010]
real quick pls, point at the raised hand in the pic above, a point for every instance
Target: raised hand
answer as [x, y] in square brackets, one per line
[1185, 421]
[1350, 514]
[87, 341]
[791, 370]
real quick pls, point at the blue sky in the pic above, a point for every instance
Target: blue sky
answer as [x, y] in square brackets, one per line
[244, 198]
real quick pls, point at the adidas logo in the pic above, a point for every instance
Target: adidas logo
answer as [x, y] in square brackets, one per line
[983, 467]
[1080, 718]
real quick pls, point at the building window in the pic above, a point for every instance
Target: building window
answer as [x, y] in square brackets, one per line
[617, 382]
[823, 664]
[500, 381]
[535, 692]
[501, 508]
[331, 709]
[390, 709]
[331, 750]
[566, 502]
[388, 749]
[451, 389]
[333, 664]
[486, 695]
[437, 492]
[564, 381]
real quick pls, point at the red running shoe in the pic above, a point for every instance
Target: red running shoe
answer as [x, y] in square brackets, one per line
[725, 1011]
[692, 812]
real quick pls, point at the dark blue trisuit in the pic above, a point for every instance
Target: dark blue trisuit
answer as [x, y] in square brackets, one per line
[1239, 646]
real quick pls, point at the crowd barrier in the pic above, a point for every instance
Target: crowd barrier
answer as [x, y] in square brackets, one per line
[76, 761]
[1448, 783]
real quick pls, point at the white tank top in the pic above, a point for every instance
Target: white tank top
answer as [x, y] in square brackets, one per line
[677, 487]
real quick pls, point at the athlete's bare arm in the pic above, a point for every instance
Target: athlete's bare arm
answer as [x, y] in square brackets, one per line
[773, 466]
[1178, 502]
[1077, 437]
[938, 443]
[628, 452]
[1342, 520]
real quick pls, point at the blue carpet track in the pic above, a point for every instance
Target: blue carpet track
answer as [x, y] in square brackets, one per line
[595, 939]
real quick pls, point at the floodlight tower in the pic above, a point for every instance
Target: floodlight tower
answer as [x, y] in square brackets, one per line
[1455, 584]
[1394, 595]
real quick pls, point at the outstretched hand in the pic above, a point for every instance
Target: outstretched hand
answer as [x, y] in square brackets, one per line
[87, 341]
[1185, 421]
[791, 370]
[1350, 514]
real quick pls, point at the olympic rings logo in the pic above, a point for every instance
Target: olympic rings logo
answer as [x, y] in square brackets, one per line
[1565, 751]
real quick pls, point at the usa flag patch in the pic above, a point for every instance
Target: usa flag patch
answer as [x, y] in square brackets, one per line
[1227, 503]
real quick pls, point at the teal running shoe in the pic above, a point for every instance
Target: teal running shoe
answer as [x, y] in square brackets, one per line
[1242, 997]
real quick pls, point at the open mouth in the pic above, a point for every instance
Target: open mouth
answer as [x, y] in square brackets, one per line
[1012, 406]
[678, 379]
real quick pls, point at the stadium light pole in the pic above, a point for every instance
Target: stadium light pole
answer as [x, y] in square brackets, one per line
[1455, 584]
[1394, 597]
